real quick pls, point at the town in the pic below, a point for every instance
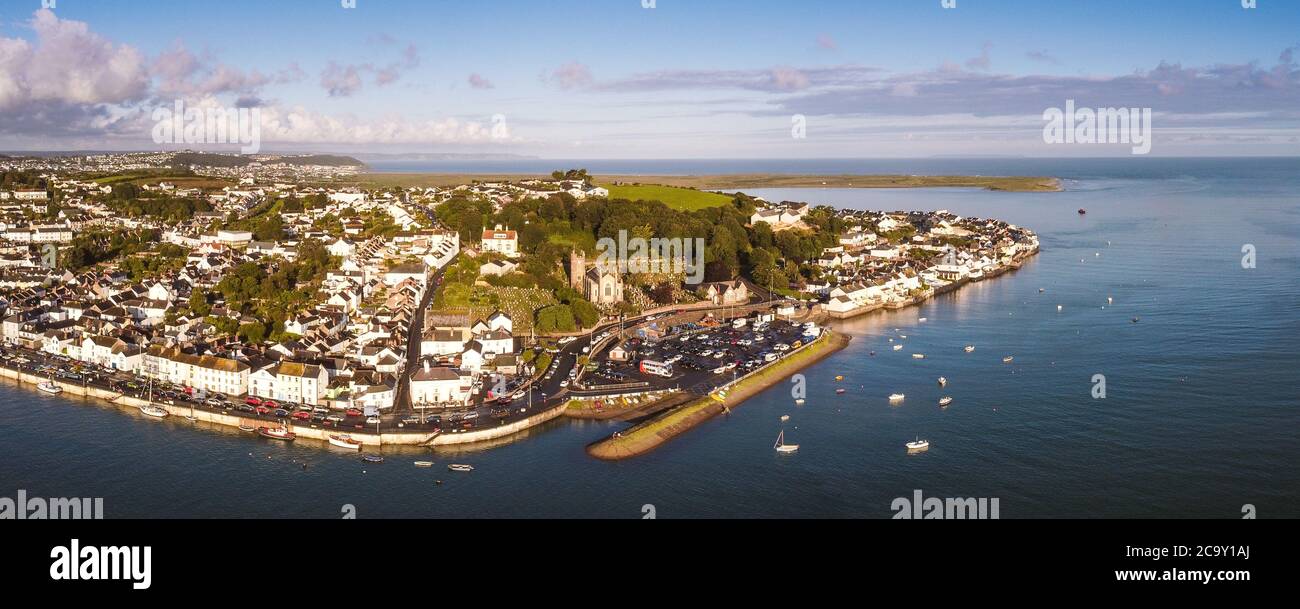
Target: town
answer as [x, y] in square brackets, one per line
[269, 296]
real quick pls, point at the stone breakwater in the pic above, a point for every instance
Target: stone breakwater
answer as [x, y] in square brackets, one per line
[649, 435]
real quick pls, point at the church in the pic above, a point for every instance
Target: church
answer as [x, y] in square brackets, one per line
[600, 286]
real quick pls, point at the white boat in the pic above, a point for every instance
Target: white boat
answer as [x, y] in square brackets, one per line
[782, 447]
[970, 348]
[50, 387]
[943, 381]
[923, 319]
[918, 445]
[945, 400]
[1007, 359]
[896, 397]
[154, 411]
[799, 402]
[918, 356]
[460, 467]
[898, 347]
[785, 417]
[424, 463]
[344, 441]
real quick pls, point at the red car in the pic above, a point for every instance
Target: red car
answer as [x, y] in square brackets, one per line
[263, 410]
[353, 412]
[303, 415]
[271, 404]
[251, 401]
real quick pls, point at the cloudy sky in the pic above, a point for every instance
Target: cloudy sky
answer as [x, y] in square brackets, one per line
[684, 79]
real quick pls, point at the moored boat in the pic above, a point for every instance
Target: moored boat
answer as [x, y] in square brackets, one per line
[896, 397]
[424, 463]
[276, 433]
[249, 428]
[154, 411]
[918, 445]
[460, 467]
[945, 400]
[799, 402]
[782, 447]
[1007, 359]
[372, 458]
[839, 391]
[839, 377]
[969, 348]
[344, 441]
[50, 387]
[943, 381]
[898, 347]
[918, 356]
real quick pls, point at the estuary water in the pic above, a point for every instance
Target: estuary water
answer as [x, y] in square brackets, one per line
[1201, 413]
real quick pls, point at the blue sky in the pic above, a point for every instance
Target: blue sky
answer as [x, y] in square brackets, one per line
[699, 78]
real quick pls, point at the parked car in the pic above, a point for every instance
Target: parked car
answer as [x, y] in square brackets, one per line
[353, 412]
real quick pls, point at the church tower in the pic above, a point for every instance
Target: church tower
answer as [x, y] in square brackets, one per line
[577, 270]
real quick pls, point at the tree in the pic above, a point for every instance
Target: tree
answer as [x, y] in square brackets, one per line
[199, 302]
[253, 333]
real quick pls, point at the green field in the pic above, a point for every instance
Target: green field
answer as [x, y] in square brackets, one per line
[686, 199]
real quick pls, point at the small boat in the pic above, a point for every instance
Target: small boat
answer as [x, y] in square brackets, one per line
[896, 397]
[923, 319]
[799, 402]
[873, 354]
[459, 467]
[50, 387]
[1110, 300]
[898, 347]
[154, 411]
[943, 381]
[785, 417]
[344, 441]
[918, 445]
[945, 400]
[372, 458]
[1007, 359]
[782, 447]
[1135, 320]
[1041, 290]
[1082, 211]
[249, 428]
[839, 377]
[276, 433]
[1058, 308]
[424, 463]
[969, 348]
[839, 391]
[918, 356]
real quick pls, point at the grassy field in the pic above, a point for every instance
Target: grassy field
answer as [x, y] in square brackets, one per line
[686, 199]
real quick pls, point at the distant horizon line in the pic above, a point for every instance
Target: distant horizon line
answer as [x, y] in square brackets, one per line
[471, 156]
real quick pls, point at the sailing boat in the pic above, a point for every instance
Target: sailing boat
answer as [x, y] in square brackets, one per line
[151, 410]
[782, 447]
